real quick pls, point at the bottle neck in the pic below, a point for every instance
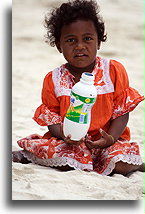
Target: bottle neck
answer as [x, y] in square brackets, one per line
[86, 82]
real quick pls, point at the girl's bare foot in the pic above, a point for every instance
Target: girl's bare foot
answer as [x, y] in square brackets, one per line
[142, 168]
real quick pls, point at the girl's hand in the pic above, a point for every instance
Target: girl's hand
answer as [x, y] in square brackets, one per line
[69, 141]
[68, 138]
[105, 141]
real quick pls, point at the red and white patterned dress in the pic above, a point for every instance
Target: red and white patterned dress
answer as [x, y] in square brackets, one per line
[115, 98]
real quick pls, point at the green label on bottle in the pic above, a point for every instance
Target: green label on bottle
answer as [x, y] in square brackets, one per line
[79, 109]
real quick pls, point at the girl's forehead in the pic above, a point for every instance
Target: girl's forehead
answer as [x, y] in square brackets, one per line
[79, 26]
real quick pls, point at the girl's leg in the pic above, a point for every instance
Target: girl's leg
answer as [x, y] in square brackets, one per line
[125, 168]
[18, 157]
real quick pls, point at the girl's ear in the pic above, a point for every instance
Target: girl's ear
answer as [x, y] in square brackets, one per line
[58, 46]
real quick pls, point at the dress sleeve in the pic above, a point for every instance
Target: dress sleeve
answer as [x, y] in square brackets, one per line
[48, 112]
[125, 98]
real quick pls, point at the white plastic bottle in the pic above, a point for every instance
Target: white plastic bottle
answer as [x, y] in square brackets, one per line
[82, 98]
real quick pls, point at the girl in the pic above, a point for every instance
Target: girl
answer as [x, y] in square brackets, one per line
[77, 30]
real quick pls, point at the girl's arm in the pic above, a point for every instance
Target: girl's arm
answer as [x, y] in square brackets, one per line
[116, 128]
[118, 125]
[56, 131]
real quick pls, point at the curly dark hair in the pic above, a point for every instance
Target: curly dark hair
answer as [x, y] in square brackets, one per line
[70, 12]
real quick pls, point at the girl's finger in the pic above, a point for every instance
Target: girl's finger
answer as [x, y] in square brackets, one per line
[103, 133]
[82, 140]
[88, 145]
[87, 137]
[67, 138]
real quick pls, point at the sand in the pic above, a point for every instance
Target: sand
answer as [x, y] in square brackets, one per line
[32, 60]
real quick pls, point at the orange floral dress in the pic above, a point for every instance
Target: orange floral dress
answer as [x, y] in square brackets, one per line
[115, 98]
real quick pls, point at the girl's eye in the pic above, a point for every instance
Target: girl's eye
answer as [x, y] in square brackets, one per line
[88, 38]
[70, 40]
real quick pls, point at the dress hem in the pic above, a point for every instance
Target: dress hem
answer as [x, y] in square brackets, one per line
[57, 161]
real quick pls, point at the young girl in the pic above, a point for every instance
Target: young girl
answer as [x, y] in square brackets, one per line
[77, 30]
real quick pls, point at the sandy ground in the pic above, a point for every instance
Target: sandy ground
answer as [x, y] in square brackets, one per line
[32, 60]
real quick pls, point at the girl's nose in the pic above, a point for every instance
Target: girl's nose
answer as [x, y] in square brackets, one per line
[80, 46]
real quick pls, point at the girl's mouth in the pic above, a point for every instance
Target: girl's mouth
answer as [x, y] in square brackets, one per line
[80, 55]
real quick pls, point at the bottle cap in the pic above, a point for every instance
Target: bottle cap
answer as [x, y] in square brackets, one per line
[87, 77]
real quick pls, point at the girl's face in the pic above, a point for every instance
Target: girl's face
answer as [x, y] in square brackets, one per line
[79, 43]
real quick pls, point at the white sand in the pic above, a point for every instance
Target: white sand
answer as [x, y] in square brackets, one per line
[32, 59]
